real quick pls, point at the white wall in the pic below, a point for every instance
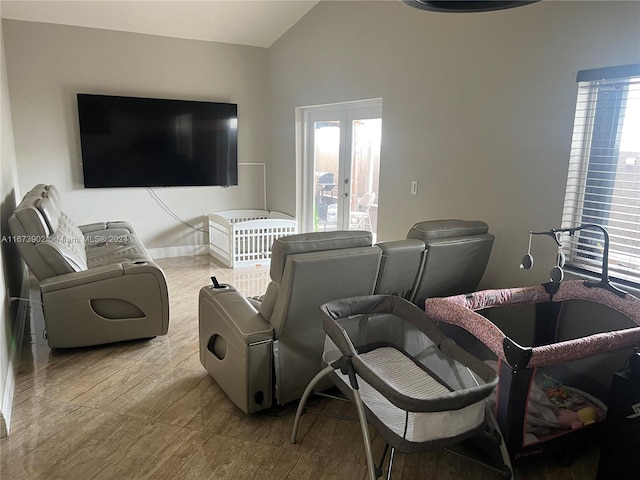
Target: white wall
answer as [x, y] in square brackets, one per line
[11, 326]
[478, 108]
[48, 64]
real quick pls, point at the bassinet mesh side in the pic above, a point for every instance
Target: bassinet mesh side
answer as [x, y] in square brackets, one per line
[405, 430]
[367, 332]
[423, 397]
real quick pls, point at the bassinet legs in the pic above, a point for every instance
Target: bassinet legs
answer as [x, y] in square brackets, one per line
[361, 416]
[419, 389]
[373, 472]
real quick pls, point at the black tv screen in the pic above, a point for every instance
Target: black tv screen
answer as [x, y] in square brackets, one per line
[148, 142]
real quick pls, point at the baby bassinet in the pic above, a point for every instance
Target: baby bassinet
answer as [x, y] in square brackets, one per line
[418, 388]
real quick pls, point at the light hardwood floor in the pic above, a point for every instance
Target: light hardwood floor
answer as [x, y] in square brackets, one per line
[148, 410]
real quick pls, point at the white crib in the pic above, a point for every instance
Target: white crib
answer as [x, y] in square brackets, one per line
[241, 238]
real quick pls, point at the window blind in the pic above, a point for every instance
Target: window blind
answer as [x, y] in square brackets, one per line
[603, 183]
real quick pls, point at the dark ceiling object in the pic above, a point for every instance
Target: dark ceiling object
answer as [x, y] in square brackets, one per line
[462, 6]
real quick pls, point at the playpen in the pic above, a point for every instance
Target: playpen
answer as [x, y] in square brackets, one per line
[538, 411]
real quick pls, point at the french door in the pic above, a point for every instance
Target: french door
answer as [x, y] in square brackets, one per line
[341, 166]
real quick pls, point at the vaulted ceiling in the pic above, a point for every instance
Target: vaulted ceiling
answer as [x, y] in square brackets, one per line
[246, 22]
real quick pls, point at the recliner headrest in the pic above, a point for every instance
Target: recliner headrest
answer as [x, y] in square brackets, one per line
[52, 192]
[36, 190]
[50, 211]
[437, 229]
[32, 222]
[313, 242]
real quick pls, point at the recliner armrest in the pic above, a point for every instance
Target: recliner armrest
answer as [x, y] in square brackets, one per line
[241, 317]
[98, 274]
[73, 279]
[236, 347]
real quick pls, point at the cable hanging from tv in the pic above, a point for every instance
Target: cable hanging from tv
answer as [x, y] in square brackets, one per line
[166, 208]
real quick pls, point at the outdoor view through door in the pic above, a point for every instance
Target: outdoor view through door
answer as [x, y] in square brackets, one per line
[342, 161]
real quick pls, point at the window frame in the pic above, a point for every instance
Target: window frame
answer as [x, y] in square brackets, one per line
[601, 103]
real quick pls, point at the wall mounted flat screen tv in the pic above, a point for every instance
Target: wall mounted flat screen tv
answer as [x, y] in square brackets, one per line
[148, 142]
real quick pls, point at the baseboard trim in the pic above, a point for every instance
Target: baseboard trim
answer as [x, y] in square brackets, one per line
[15, 350]
[181, 251]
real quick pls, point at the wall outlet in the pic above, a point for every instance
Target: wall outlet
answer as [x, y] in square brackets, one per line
[414, 187]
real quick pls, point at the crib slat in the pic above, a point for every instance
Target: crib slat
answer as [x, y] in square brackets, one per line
[244, 237]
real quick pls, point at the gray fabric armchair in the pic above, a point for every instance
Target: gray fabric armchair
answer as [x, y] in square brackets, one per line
[98, 283]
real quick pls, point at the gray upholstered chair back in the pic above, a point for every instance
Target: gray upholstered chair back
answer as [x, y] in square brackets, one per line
[400, 265]
[456, 256]
[308, 270]
[49, 244]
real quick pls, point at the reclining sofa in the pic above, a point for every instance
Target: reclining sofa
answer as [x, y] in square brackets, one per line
[264, 354]
[98, 283]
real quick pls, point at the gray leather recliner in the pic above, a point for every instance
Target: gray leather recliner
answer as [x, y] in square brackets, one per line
[438, 258]
[455, 258]
[266, 356]
[98, 283]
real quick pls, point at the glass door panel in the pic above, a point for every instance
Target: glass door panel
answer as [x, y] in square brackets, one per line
[365, 167]
[341, 164]
[326, 161]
